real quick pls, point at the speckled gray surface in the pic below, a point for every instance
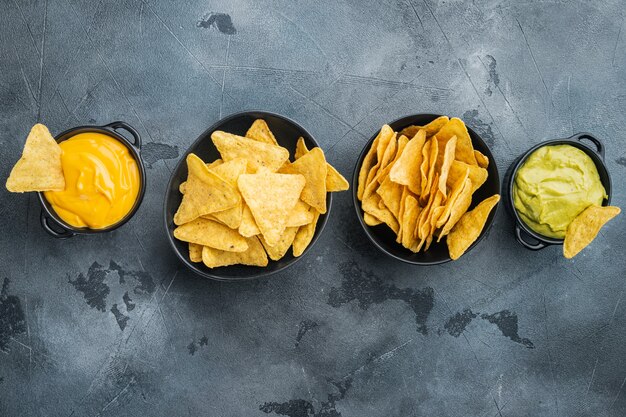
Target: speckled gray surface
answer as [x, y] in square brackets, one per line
[113, 325]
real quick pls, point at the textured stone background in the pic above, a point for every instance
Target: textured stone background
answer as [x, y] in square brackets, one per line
[113, 325]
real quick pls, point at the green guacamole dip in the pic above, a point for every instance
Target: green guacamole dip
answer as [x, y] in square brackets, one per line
[553, 186]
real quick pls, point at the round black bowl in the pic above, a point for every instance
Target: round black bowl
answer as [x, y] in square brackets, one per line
[53, 224]
[524, 234]
[385, 239]
[287, 133]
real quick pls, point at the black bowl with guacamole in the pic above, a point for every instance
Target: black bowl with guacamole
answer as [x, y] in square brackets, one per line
[553, 182]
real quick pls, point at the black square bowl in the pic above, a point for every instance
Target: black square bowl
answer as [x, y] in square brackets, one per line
[385, 239]
[287, 133]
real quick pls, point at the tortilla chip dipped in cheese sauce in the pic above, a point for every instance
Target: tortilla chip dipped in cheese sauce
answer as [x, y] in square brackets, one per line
[101, 181]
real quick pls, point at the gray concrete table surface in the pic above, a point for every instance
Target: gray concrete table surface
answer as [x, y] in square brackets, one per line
[114, 325]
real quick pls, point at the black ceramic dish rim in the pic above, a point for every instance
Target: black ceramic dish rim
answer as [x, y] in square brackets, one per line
[597, 156]
[359, 212]
[262, 272]
[48, 213]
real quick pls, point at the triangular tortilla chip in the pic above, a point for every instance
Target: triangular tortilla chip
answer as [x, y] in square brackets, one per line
[371, 220]
[300, 215]
[261, 132]
[366, 166]
[370, 205]
[39, 168]
[460, 206]
[254, 256]
[430, 128]
[205, 193]
[585, 227]
[312, 166]
[209, 233]
[391, 194]
[464, 147]
[279, 250]
[230, 172]
[409, 219]
[195, 252]
[448, 158]
[469, 227]
[304, 235]
[432, 171]
[248, 227]
[271, 197]
[382, 143]
[301, 148]
[441, 214]
[477, 175]
[406, 169]
[258, 154]
[481, 159]
[334, 180]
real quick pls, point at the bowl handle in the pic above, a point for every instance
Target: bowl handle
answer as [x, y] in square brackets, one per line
[65, 234]
[520, 235]
[123, 125]
[584, 136]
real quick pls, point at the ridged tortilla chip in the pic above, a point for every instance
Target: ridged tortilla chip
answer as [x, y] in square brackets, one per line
[205, 193]
[261, 132]
[210, 233]
[39, 168]
[312, 166]
[253, 256]
[469, 227]
[271, 197]
[585, 227]
[258, 154]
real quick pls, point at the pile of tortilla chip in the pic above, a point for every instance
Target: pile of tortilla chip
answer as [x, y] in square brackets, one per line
[253, 202]
[39, 168]
[420, 182]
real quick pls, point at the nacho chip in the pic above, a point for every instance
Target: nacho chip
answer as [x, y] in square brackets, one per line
[312, 166]
[195, 252]
[448, 158]
[390, 193]
[406, 169]
[261, 132]
[458, 209]
[279, 250]
[258, 154]
[464, 147]
[481, 159]
[248, 227]
[271, 197]
[382, 143]
[409, 220]
[300, 215]
[334, 180]
[432, 172]
[585, 227]
[301, 148]
[39, 168]
[370, 205]
[253, 256]
[205, 193]
[305, 234]
[441, 214]
[477, 175]
[210, 233]
[371, 220]
[429, 129]
[469, 227]
[424, 168]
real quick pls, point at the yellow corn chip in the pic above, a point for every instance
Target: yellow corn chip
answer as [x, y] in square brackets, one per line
[279, 250]
[458, 209]
[300, 215]
[585, 227]
[430, 129]
[258, 154]
[477, 174]
[442, 214]
[39, 168]
[312, 166]
[195, 252]
[271, 197]
[304, 235]
[301, 148]
[406, 169]
[481, 159]
[405, 192]
[391, 193]
[370, 205]
[409, 220]
[464, 147]
[469, 227]
[334, 180]
[209, 233]
[248, 227]
[261, 132]
[253, 256]
[424, 169]
[366, 166]
[384, 138]
[371, 220]
[432, 172]
[205, 193]
[448, 158]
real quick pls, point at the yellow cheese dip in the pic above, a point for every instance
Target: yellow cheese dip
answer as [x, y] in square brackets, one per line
[101, 181]
[553, 186]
